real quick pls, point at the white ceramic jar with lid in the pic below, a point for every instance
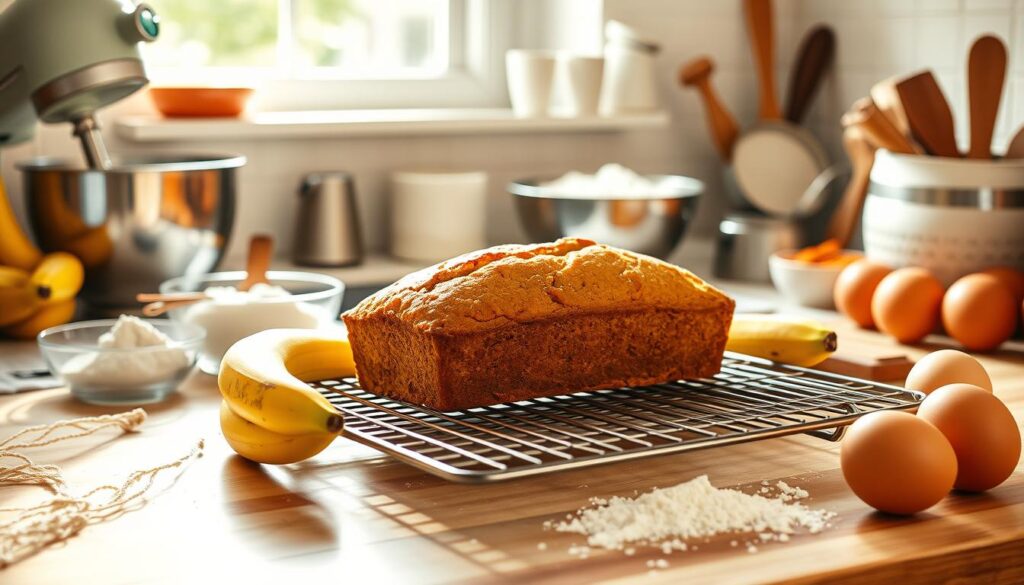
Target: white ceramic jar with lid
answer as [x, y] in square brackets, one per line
[437, 215]
[629, 85]
[953, 216]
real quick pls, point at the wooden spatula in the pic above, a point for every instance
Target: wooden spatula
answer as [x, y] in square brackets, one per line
[877, 127]
[813, 59]
[1016, 147]
[931, 121]
[261, 250]
[697, 73]
[762, 42]
[986, 71]
[887, 100]
[862, 157]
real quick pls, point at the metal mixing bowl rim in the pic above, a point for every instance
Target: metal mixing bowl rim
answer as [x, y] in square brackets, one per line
[195, 336]
[531, 187]
[214, 278]
[154, 163]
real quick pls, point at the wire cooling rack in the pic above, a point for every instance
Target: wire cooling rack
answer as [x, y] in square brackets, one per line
[749, 399]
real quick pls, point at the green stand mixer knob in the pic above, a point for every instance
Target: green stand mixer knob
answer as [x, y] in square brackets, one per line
[147, 22]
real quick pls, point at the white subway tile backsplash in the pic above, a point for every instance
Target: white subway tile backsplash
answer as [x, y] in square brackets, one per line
[938, 41]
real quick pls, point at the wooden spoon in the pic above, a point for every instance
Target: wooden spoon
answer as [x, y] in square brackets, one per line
[697, 73]
[887, 100]
[812, 63]
[931, 121]
[862, 157]
[876, 127]
[986, 71]
[762, 41]
[261, 249]
[1016, 147]
[159, 303]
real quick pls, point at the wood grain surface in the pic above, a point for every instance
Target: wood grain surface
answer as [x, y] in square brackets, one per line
[353, 516]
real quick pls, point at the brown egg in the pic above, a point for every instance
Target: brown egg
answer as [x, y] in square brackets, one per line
[906, 304]
[981, 430]
[854, 288]
[979, 311]
[947, 366]
[1011, 277]
[897, 462]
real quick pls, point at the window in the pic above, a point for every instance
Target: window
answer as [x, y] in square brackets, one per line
[326, 54]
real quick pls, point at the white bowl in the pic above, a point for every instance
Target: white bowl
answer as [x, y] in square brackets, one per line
[804, 283]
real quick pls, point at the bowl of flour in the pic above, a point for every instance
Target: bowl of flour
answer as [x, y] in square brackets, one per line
[292, 300]
[122, 361]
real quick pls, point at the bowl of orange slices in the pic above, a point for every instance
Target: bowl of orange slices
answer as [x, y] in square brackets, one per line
[808, 275]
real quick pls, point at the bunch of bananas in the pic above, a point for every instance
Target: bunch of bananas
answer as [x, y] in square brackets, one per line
[268, 413]
[36, 291]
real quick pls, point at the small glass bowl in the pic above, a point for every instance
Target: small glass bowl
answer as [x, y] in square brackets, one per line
[138, 375]
[315, 302]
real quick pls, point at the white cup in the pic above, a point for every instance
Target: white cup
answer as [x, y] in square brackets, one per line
[530, 77]
[437, 215]
[581, 77]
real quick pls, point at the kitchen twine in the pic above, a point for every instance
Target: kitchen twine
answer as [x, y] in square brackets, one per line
[35, 527]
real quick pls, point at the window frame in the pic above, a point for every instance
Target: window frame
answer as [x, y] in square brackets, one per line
[479, 35]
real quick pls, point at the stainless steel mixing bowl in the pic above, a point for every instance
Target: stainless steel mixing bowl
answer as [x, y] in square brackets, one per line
[651, 225]
[141, 222]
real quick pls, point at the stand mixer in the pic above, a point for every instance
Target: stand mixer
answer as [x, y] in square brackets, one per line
[132, 221]
[61, 60]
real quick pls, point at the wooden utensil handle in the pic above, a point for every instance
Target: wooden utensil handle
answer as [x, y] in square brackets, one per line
[877, 127]
[813, 61]
[986, 71]
[721, 123]
[169, 297]
[862, 157]
[762, 41]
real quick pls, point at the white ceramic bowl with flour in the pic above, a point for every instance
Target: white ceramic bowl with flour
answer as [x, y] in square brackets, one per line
[121, 361]
[952, 216]
[294, 300]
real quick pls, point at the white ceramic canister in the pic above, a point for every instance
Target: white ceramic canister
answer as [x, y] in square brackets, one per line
[437, 215]
[530, 76]
[630, 81]
[952, 216]
[580, 78]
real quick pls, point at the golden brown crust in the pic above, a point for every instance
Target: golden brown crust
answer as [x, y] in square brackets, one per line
[517, 322]
[512, 284]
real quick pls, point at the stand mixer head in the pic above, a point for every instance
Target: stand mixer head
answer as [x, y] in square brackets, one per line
[62, 60]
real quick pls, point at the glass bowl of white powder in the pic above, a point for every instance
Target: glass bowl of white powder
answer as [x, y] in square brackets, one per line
[122, 361]
[293, 300]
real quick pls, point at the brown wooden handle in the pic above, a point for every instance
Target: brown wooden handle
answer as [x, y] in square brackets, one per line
[928, 113]
[261, 250]
[762, 42]
[877, 127]
[862, 157]
[169, 297]
[888, 102]
[812, 63]
[986, 71]
[724, 130]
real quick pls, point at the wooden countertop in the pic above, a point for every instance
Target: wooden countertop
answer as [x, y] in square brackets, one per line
[352, 515]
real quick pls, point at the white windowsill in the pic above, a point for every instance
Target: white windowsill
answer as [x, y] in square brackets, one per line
[353, 123]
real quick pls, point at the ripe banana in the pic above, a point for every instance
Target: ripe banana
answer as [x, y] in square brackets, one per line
[49, 315]
[18, 303]
[792, 341]
[262, 379]
[15, 248]
[11, 277]
[62, 273]
[262, 446]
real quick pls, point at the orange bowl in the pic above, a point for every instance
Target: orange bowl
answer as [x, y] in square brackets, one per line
[200, 102]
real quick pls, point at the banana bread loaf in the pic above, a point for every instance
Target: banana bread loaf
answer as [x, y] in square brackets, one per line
[516, 322]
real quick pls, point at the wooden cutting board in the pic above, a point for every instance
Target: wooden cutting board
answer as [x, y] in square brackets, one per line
[355, 516]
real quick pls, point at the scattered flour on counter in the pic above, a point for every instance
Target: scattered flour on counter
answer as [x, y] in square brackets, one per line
[695, 509]
[128, 369]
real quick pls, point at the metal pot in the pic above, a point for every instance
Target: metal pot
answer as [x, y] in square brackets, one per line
[141, 222]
